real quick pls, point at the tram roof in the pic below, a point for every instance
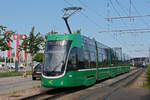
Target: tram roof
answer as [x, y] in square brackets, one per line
[63, 36]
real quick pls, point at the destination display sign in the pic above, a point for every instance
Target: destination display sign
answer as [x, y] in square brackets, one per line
[58, 42]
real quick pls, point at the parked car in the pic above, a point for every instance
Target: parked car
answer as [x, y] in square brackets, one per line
[1, 66]
[11, 66]
[36, 71]
[21, 66]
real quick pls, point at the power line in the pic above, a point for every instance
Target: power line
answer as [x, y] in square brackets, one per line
[95, 23]
[139, 15]
[109, 24]
[121, 20]
[130, 8]
[125, 17]
[121, 7]
[108, 5]
[87, 17]
[121, 17]
[97, 13]
[90, 19]
[127, 30]
[66, 15]
[114, 8]
[117, 12]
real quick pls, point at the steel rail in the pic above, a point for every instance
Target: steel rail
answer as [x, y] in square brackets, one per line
[109, 89]
[53, 93]
[124, 84]
[60, 92]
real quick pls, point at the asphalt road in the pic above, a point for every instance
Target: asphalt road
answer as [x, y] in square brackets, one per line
[17, 83]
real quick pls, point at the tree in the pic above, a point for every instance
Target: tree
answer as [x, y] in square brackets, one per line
[46, 37]
[32, 43]
[78, 31]
[38, 57]
[51, 32]
[5, 38]
[148, 73]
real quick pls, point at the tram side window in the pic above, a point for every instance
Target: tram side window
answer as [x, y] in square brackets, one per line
[86, 60]
[76, 59]
[72, 61]
[80, 58]
[100, 59]
[93, 60]
[105, 61]
[112, 58]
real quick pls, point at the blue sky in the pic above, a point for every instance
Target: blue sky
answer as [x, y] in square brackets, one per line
[45, 15]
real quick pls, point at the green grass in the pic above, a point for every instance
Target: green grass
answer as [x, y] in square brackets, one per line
[8, 74]
[146, 85]
[5, 69]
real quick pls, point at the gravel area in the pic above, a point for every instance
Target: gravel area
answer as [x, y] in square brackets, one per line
[20, 94]
[134, 91]
[35, 89]
[138, 83]
[13, 88]
[14, 79]
[77, 95]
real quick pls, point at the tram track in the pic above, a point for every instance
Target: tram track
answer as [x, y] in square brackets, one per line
[122, 84]
[53, 94]
[105, 92]
[100, 87]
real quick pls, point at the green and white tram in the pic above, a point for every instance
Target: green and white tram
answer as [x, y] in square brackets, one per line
[75, 60]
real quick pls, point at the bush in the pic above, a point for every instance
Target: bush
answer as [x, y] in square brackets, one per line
[148, 73]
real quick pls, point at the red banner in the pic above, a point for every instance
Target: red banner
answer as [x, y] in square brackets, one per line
[16, 37]
[23, 36]
[9, 44]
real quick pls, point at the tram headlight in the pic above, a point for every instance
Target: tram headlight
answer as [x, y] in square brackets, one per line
[61, 82]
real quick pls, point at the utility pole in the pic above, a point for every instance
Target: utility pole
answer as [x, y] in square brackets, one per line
[69, 11]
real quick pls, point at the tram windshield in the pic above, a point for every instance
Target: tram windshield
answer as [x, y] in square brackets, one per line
[55, 57]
